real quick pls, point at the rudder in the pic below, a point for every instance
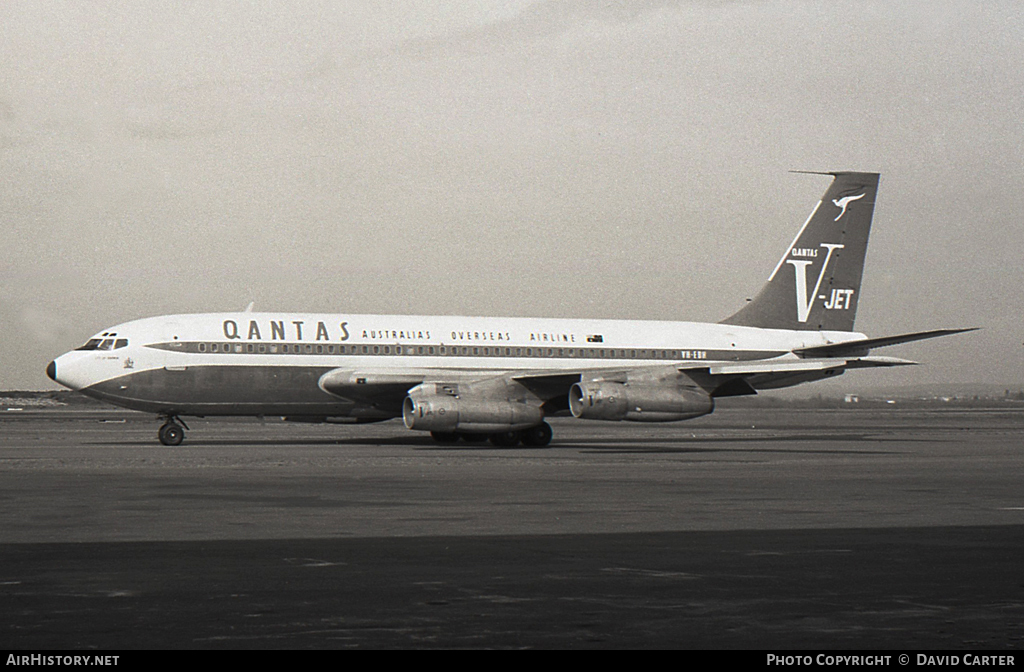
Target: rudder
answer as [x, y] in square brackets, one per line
[816, 284]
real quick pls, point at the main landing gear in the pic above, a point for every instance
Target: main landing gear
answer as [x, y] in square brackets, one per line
[534, 437]
[171, 433]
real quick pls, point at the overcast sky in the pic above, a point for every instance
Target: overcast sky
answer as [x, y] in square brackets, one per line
[614, 159]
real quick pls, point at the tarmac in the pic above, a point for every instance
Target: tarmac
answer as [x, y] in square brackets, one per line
[762, 529]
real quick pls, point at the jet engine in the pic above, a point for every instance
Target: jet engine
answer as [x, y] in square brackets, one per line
[638, 403]
[443, 413]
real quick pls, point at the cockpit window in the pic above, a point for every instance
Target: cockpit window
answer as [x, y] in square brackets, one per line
[104, 344]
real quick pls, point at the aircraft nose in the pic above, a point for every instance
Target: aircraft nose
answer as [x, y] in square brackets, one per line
[51, 371]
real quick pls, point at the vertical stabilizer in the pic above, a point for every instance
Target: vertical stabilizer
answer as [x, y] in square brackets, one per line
[816, 284]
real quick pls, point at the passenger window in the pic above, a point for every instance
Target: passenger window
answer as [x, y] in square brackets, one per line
[202, 347]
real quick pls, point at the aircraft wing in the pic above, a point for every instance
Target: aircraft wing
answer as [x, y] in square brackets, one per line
[387, 390]
[551, 388]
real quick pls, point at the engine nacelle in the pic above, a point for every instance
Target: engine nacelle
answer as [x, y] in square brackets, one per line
[444, 413]
[637, 403]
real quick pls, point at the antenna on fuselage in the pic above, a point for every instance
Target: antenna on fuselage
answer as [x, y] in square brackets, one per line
[248, 308]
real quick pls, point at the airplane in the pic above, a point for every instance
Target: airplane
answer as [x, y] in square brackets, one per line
[498, 378]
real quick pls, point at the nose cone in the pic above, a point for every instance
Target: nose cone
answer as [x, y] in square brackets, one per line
[51, 371]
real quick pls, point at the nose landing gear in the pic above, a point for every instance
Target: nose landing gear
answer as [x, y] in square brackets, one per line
[171, 433]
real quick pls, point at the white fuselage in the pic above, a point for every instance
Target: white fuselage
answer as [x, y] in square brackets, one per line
[269, 363]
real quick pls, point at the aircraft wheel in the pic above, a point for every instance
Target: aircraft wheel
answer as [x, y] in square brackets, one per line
[505, 439]
[171, 434]
[537, 437]
[445, 437]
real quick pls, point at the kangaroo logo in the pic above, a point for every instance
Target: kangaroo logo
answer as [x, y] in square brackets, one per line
[803, 304]
[842, 203]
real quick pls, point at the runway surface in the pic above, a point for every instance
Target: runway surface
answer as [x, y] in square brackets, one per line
[752, 528]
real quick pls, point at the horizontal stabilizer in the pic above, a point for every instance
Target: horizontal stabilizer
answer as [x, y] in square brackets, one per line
[862, 346]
